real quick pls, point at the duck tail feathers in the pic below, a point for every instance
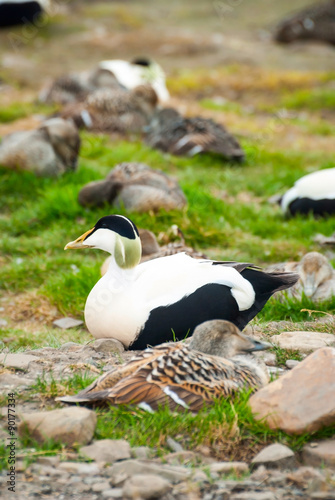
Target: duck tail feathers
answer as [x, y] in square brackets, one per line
[285, 280]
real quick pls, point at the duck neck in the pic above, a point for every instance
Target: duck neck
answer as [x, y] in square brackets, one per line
[127, 252]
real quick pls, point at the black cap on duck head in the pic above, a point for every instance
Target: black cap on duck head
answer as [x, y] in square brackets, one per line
[115, 234]
[141, 61]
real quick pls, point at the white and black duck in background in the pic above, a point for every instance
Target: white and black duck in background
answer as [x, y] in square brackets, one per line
[169, 131]
[15, 12]
[314, 193]
[216, 363]
[166, 298]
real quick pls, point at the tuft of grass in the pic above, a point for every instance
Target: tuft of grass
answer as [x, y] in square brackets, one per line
[282, 355]
[291, 308]
[18, 110]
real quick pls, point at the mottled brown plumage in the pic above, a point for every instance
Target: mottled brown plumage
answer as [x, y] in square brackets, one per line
[180, 375]
[114, 110]
[49, 150]
[171, 132]
[136, 187]
[316, 22]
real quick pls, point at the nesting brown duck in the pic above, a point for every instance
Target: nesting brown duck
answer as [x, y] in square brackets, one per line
[136, 187]
[169, 131]
[182, 376]
[49, 150]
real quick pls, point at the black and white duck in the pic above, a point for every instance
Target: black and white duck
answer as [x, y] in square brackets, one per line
[314, 193]
[166, 298]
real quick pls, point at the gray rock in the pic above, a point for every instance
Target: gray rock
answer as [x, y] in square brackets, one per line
[100, 486]
[254, 495]
[79, 468]
[17, 360]
[68, 425]
[70, 347]
[228, 467]
[320, 453]
[107, 450]
[275, 456]
[304, 341]
[65, 323]
[128, 468]
[107, 346]
[3, 323]
[291, 363]
[141, 452]
[145, 486]
[112, 493]
[10, 380]
[302, 400]
[173, 445]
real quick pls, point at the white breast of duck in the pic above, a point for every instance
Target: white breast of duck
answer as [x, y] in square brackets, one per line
[165, 299]
[138, 72]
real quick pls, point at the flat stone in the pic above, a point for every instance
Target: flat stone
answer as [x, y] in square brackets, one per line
[70, 347]
[304, 475]
[79, 468]
[227, 467]
[65, 323]
[10, 380]
[291, 363]
[107, 450]
[112, 493]
[174, 445]
[128, 468]
[302, 400]
[141, 452]
[254, 495]
[18, 360]
[304, 341]
[3, 323]
[320, 453]
[68, 425]
[146, 486]
[277, 456]
[107, 346]
[103, 486]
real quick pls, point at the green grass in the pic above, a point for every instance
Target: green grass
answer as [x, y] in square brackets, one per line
[312, 99]
[18, 110]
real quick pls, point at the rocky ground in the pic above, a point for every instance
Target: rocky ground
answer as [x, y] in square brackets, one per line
[113, 469]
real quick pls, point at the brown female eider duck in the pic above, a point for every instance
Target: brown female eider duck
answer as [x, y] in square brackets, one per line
[182, 376]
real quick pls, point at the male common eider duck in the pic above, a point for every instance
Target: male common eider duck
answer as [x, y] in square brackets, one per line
[182, 376]
[165, 299]
[314, 193]
[169, 131]
[138, 72]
